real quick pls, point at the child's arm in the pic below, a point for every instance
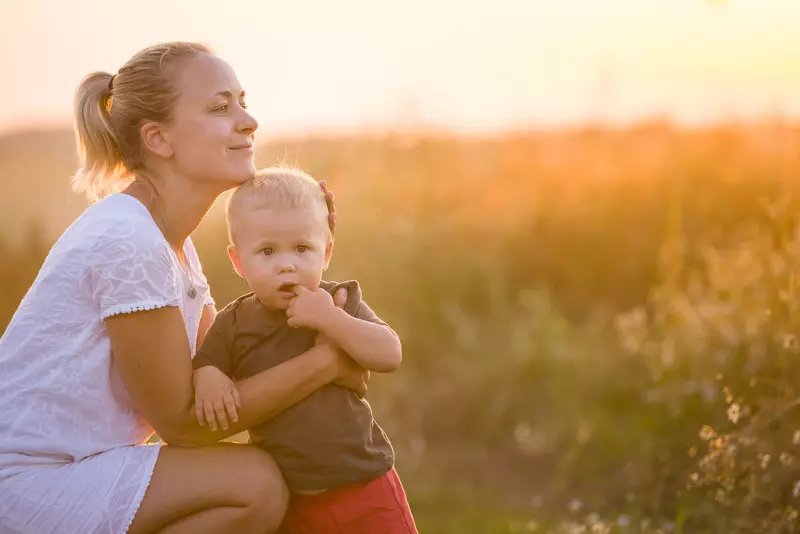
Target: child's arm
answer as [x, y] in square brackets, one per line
[215, 395]
[366, 339]
[375, 346]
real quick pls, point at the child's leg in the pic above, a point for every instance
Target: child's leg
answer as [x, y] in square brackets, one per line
[378, 506]
[308, 516]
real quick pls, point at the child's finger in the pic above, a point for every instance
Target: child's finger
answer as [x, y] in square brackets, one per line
[198, 410]
[230, 406]
[299, 290]
[222, 417]
[208, 408]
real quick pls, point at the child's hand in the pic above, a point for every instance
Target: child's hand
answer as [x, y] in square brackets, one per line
[214, 394]
[310, 309]
[339, 300]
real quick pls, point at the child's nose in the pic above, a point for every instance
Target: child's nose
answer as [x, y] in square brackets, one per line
[287, 267]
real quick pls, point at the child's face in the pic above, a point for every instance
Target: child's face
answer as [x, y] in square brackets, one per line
[277, 249]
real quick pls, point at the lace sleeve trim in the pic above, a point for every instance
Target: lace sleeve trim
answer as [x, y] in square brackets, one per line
[128, 308]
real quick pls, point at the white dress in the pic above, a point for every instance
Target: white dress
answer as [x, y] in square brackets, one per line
[72, 452]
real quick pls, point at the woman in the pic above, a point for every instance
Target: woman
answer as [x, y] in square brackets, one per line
[98, 354]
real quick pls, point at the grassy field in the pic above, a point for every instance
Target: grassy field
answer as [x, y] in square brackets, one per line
[598, 325]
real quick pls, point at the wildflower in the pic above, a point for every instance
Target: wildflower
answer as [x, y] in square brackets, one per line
[765, 458]
[707, 433]
[734, 412]
[728, 395]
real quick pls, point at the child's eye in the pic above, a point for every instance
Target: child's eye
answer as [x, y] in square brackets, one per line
[223, 107]
[267, 251]
[302, 248]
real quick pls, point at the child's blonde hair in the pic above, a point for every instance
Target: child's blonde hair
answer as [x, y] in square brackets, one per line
[278, 188]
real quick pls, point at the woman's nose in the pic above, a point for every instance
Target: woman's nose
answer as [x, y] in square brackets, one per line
[248, 124]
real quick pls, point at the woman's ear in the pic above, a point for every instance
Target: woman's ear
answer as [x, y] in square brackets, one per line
[155, 140]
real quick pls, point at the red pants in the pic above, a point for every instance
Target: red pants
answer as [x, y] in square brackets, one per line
[375, 507]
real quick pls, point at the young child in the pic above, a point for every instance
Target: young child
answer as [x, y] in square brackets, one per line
[336, 460]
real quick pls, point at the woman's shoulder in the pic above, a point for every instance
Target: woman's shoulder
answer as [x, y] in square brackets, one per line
[117, 230]
[118, 223]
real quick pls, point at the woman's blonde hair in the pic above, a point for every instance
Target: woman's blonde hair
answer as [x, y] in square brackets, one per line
[110, 110]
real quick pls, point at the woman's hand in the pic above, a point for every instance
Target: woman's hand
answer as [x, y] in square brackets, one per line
[331, 205]
[350, 374]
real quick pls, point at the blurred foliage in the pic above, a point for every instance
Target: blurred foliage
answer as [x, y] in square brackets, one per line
[598, 325]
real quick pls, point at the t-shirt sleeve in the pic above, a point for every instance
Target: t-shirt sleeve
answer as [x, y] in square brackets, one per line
[355, 305]
[132, 270]
[365, 312]
[216, 348]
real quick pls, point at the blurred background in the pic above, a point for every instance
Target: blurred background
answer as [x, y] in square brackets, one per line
[580, 216]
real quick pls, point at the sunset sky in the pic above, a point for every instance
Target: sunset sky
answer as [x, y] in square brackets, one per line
[455, 64]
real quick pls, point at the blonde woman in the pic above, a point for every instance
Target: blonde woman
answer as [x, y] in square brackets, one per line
[98, 354]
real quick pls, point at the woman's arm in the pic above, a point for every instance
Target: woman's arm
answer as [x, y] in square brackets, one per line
[151, 350]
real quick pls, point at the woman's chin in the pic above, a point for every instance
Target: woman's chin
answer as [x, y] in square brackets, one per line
[242, 177]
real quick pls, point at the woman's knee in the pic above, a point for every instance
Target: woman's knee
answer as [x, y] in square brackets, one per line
[265, 490]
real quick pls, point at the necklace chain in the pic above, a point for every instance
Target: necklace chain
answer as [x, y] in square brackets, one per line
[187, 271]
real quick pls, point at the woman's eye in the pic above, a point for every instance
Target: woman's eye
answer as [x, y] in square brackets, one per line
[223, 107]
[302, 248]
[267, 252]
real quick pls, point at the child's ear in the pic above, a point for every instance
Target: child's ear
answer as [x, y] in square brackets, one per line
[234, 256]
[328, 254]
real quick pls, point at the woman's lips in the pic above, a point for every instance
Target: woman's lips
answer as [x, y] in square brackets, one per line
[244, 148]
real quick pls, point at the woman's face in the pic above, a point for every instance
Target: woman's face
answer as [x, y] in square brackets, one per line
[210, 132]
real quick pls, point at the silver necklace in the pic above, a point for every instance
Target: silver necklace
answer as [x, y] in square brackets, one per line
[192, 292]
[187, 272]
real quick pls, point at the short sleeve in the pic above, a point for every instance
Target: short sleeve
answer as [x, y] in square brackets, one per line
[132, 271]
[365, 312]
[355, 304]
[216, 349]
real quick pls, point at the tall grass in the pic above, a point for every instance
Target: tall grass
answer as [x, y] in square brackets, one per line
[575, 308]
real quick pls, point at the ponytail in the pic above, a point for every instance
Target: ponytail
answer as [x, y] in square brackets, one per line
[101, 166]
[110, 111]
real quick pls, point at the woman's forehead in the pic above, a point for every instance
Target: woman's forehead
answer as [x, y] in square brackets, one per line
[207, 76]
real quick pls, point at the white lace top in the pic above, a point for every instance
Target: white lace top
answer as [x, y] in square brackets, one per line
[62, 403]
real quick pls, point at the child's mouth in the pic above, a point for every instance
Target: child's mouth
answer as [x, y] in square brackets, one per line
[287, 289]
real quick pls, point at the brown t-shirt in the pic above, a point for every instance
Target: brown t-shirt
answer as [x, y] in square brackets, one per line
[330, 438]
